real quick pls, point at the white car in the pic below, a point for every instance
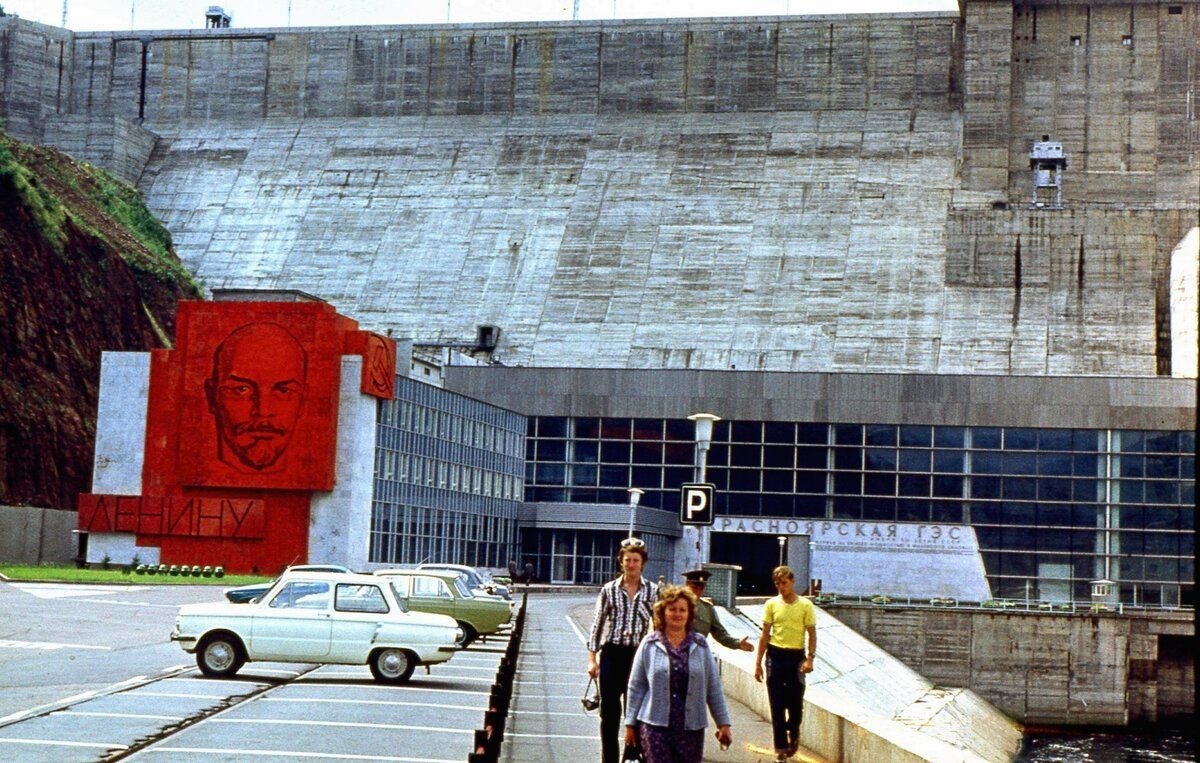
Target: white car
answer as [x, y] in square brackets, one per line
[330, 617]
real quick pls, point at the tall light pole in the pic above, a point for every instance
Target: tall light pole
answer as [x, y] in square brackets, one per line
[782, 545]
[696, 538]
[635, 495]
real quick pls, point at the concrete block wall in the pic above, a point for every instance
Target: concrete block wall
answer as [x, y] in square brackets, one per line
[117, 144]
[1045, 668]
[35, 69]
[33, 535]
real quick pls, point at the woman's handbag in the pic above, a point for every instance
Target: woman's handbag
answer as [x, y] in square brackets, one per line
[591, 696]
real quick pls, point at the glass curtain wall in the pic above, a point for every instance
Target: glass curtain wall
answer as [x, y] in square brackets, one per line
[1054, 509]
[447, 479]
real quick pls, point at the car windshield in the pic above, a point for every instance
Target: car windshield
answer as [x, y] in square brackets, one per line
[464, 590]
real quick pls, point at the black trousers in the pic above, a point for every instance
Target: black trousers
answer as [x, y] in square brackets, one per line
[615, 664]
[785, 694]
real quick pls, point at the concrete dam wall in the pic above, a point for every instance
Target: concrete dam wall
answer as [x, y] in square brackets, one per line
[827, 193]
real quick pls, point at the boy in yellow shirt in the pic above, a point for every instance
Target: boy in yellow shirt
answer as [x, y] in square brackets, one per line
[787, 619]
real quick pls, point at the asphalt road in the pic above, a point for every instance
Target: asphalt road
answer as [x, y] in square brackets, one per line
[88, 673]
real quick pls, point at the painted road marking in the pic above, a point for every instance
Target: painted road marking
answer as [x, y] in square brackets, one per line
[120, 715]
[63, 590]
[342, 724]
[293, 754]
[48, 646]
[64, 743]
[390, 702]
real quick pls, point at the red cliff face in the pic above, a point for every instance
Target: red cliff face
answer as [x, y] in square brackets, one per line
[83, 268]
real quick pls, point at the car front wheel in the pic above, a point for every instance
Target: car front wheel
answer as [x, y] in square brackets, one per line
[392, 666]
[220, 655]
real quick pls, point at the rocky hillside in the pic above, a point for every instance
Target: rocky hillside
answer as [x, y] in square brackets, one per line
[84, 267]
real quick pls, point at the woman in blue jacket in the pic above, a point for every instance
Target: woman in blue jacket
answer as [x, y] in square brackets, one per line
[672, 684]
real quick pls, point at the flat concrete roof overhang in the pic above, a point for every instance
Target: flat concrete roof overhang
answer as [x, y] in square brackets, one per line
[1074, 402]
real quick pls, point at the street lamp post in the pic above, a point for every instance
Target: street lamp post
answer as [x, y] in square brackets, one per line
[782, 545]
[635, 495]
[696, 538]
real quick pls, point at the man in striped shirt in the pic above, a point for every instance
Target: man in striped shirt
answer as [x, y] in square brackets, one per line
[623, 615]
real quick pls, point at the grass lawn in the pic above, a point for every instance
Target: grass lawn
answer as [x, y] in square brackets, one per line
[69, 573]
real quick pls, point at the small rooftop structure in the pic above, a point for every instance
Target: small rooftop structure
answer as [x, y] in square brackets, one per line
[216, 18]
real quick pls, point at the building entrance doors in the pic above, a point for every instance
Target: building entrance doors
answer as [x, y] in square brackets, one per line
[562, 562]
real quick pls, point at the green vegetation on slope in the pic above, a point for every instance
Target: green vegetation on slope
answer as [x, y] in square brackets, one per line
[122, 213]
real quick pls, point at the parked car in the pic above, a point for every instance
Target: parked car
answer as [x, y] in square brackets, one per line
[447, 593]
[479, 580]
[318, 617]
[246, 593]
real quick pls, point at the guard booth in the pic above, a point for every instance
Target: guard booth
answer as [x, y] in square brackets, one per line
[722, 585]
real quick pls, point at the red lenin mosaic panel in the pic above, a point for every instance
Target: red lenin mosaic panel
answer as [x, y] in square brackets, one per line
[242, 426]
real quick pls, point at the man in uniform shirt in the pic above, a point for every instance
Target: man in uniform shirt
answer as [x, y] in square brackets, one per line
[707, 620]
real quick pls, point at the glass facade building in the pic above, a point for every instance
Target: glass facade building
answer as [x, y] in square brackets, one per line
[448, 479]
[1053, 509]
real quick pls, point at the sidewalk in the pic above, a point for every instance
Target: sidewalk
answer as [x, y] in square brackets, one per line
[546, 722]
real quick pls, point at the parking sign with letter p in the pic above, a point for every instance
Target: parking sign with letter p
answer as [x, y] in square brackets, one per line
[696, 504]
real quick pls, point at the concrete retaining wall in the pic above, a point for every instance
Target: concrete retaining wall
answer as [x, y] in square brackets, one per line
[1046, 668]
[32, 535]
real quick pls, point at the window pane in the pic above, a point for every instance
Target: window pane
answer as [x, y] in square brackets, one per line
[587, 428]
[744, 480]
[909, 510]
[615, 429]
[774, 431]
[880, 484]
[816, 434]
[1054, 439]
[987, 463]
[588, 452]
[847, 458]
[647, 429]
[745, 455]
[647, 453]
[847, 484]
[985, 437]
[881, 459]
[947, 486]
[948, 461]
[778, 456]
[812, 457]
[914, 460]
[1054, 490]
[777, 481]
[916, 437]
[1054, 464]
[1020, 439]
[1020, 488]
[914, 485]
[681, 429]
[746, 431]
[847, 434]
[584, 475]
[881, 435]
[551, 450]
[614, 452]
[810, 482]
[949, 437]
[879, 509]
[552, 426]
[1020, 463]
[985, 487]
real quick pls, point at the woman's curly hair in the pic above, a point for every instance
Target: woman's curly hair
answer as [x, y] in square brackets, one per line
[669, 595]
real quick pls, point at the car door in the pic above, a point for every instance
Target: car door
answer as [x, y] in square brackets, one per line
[430, 594]
[357, 611]
[295, 625]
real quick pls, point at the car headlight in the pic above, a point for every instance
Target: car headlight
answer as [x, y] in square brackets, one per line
[459, 634]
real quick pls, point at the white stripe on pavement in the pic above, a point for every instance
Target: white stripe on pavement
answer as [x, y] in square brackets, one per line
[64, 743]
[295, 754]
[342, 724]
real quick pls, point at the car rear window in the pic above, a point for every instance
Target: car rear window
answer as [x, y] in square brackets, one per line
[359, 598]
